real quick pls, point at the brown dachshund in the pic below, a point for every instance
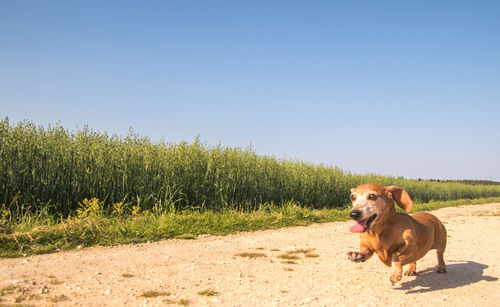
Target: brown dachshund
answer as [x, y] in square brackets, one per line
[397, 238]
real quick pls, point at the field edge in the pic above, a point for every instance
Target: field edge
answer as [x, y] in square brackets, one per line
[23, 240]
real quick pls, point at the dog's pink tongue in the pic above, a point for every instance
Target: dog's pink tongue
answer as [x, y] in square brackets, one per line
[358, 226]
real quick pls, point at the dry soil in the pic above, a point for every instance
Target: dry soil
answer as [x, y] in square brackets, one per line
[178, 271]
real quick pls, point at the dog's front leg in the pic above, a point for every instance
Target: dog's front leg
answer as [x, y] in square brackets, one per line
[364, 254]
[397, 268]
[400, 255]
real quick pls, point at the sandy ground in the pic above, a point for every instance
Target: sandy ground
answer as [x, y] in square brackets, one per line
[180, 269]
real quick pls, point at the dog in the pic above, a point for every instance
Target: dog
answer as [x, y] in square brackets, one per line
[397, 238]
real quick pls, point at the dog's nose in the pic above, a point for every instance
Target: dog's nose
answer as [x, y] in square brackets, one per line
[355, 214]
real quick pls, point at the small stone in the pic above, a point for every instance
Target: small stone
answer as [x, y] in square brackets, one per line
[44, 290]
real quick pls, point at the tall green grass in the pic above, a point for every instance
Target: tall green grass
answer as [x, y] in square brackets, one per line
[51, 170]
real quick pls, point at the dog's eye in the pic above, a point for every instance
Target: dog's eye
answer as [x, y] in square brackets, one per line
[353, 197]
[372, 197]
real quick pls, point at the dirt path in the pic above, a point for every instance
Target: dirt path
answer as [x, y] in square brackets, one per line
[179, 269]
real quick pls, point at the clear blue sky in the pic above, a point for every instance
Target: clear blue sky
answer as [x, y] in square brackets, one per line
[403, 88]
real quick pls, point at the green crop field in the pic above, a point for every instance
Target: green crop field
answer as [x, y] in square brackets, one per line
[62, 189]
[54, 170]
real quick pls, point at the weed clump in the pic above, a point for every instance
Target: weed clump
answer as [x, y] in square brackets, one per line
[251, 255]
[208, 292]
[153, 293]
[289, 257]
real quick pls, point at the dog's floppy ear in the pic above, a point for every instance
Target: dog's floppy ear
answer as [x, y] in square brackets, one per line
[400, 196]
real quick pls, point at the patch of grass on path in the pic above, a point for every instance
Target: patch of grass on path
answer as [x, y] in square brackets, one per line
[26, 238]
[251, 255]
[208, 292]
[289, 257]
[153, 293]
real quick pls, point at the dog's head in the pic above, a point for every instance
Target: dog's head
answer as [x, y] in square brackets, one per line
[370, 202]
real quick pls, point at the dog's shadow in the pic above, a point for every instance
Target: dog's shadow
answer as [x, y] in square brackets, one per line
[459, 274]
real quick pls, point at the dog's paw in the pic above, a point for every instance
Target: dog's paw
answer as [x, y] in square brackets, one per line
[356, 256]
[441, 270]
[395, 278]
[411, 273]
